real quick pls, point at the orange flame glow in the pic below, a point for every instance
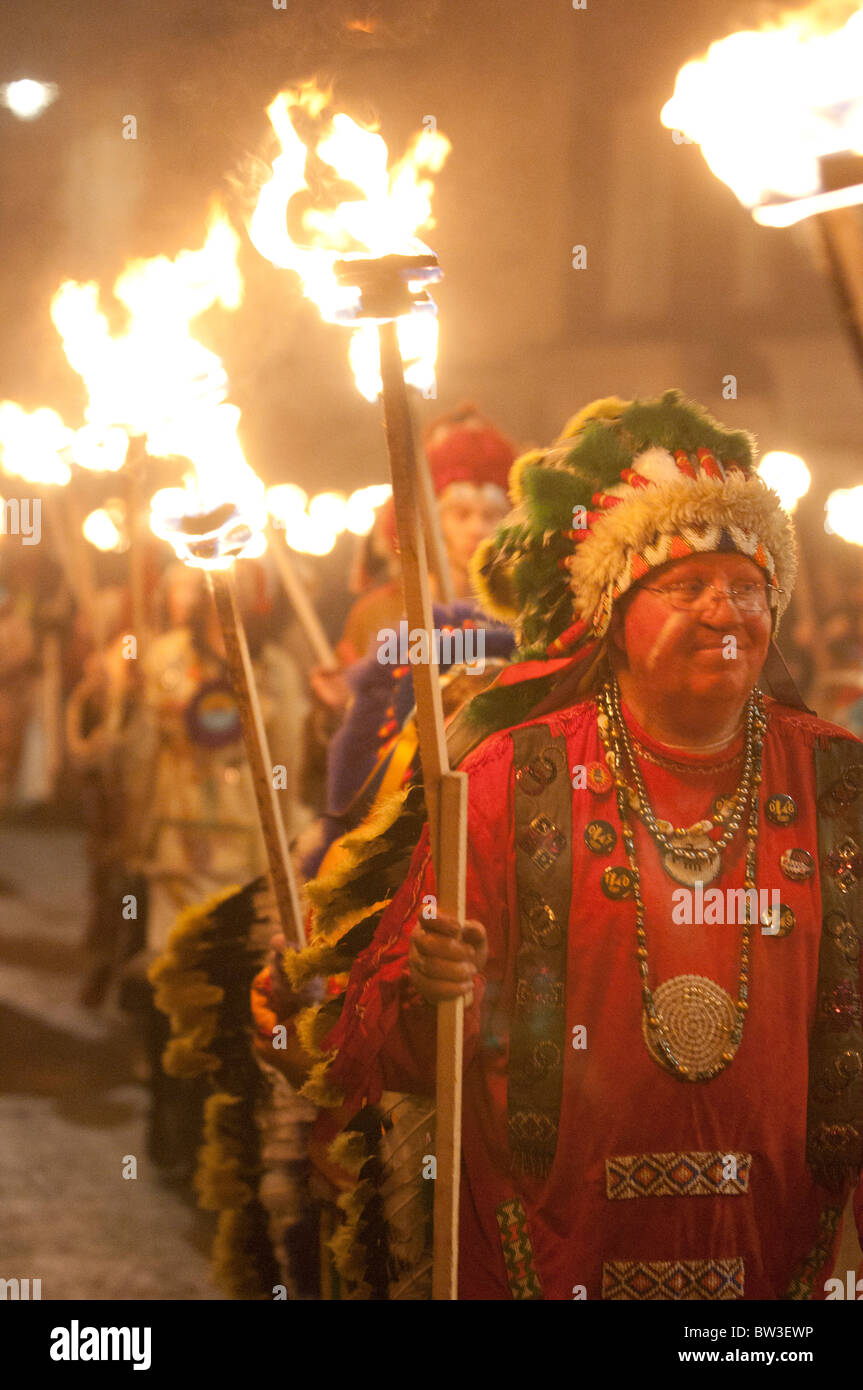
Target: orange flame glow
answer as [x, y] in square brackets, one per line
[150, 374]
[381, 216]
[32, 445]
[768, 106]
[158, 381]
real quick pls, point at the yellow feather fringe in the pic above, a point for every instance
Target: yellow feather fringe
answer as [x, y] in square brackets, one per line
[491, 600]
[218, 1180]
[348, 1150]
[516, 473]
[185, 994]
[349, 1257]
[318, 1090]
[233, 1271]
[321, 957]
[306, 1024]
[322, 889]
[607, 408]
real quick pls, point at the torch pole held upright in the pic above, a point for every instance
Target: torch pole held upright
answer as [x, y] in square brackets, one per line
[446, 800]
[301, 603]
[433, 530]
[257, 750]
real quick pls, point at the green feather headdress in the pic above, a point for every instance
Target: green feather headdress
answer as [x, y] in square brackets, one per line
[627, 486]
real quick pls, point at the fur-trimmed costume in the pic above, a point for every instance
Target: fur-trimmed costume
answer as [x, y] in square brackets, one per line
[542, 1209]
[588, 1170]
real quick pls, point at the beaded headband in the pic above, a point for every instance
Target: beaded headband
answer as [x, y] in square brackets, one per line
[627, 487]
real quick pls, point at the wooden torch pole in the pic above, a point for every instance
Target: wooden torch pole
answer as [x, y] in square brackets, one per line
[433, 530]
[446, 800]
[300, 601]
[258, 752]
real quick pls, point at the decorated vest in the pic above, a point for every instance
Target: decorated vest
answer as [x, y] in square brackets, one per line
[543, 837]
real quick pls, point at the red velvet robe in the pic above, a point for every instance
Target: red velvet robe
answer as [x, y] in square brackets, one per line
[617, 1101]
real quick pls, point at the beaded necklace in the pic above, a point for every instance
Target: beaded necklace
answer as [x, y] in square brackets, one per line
[689, 854]
[691, 1026]
[699, 769]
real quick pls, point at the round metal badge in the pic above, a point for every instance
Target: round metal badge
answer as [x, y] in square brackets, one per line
[783, 926]
[797, 864]
[780, 808]
[618, 881]
[599, 779]
[212, 717]
[600, 836]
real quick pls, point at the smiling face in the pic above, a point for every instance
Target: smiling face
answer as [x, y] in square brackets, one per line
[467, 515]
[672, 656]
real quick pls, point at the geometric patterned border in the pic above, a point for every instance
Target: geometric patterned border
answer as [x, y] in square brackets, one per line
[701, 1280]
[803, 1280]
[517, 1250]
[677, 1175]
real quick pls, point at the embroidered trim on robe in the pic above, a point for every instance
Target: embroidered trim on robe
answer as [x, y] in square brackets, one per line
[694, 1174]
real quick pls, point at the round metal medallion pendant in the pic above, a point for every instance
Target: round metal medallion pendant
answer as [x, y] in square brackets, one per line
[691, 871]
[698, 1019]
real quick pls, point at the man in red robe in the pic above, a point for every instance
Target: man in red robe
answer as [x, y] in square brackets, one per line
[664, 1053]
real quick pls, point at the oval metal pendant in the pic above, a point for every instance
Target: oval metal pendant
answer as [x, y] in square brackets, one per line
[698, 1019]
[691, 871]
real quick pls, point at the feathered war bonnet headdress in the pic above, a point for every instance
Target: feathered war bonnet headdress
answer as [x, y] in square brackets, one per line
[628, 486]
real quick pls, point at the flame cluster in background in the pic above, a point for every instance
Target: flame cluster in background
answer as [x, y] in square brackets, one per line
[156, 382]
[38, 448]
[313, 526]
[768, 106]
[765, 108]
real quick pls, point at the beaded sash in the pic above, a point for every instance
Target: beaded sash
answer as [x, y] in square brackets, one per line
[834, 1124]
[543, 866]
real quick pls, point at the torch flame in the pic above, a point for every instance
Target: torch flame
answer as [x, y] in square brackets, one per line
[390, 208]
[153, 371]
[768, 106]
[156, 380]
[221, 513]
[100, 450]
[31, 445]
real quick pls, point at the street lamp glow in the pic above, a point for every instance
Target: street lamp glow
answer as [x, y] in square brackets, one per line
[787, 475]
[844, 509]
[27, 99]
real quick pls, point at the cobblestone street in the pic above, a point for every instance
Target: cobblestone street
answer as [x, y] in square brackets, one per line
[72, 1106]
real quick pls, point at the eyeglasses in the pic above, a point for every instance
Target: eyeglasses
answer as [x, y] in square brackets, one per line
[687, 594]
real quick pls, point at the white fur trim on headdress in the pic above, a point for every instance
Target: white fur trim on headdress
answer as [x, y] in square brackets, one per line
[646, 520]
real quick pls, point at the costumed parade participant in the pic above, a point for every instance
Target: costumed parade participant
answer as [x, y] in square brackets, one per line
[34, 612]
[203, 830]
[374, 757]
[470, 462]
[663, 1087]
[108, 748]
[18, 672]
[200, 834]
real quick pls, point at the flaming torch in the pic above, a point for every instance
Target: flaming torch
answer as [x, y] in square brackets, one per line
[215, 519]
[361, 263]
[160, 385]
[778, 114]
